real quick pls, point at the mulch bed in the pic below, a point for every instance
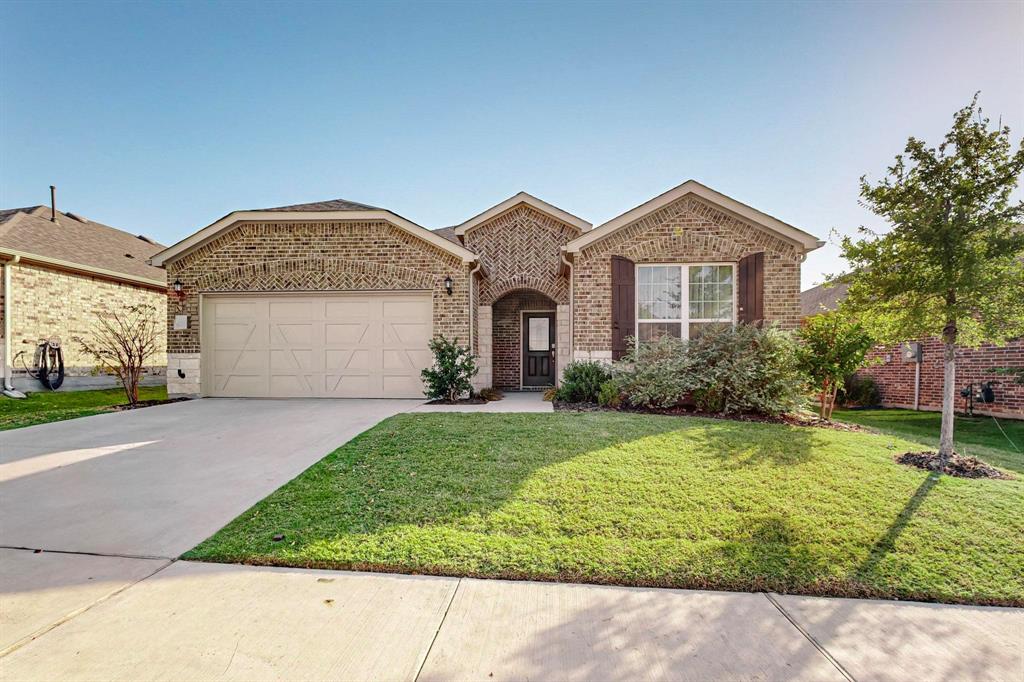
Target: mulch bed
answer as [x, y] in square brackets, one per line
[145, 403]
[683, 411]
[959, 465]
[464, 401]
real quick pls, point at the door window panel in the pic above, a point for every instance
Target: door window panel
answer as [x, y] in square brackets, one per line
[539, 334]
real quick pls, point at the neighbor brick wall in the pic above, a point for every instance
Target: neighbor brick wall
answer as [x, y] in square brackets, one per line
[46, 302]
[507, 335]
[520, 249]
[686, 231]
[895, 378]
[317, 256]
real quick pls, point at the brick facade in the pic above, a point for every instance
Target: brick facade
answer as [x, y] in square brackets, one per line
[688, 230]
[520, 249]
[314, 256]
[507, 334]
[47, 302]
[895, 378]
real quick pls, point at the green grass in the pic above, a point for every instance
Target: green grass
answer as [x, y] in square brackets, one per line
[642, 500]
[40, 408]
[976, 436]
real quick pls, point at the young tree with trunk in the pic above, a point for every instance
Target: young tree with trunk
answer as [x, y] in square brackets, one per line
[953, 263]
[122, 341]
[832, 347]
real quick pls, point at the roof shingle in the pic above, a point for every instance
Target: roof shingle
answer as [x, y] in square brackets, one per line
[80, 241]
[329, 205]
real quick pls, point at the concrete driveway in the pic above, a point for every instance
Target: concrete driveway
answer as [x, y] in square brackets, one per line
[156, 482]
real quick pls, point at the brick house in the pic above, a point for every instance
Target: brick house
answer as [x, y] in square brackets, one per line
[339, 299]
[61, 272]
[903, 382]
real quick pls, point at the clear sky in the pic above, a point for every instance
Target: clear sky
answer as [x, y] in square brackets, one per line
[160, 118]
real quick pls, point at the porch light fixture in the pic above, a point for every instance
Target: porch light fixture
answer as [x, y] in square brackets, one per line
[448, 285]
[177, 286]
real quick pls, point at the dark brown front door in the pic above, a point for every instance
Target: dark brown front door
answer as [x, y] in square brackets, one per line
[538, 349]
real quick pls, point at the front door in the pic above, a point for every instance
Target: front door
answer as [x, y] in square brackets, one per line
[538, 349]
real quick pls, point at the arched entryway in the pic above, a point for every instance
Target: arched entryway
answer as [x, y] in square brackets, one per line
[524, 340]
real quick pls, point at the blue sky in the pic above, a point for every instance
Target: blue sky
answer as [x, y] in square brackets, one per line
[160, 118]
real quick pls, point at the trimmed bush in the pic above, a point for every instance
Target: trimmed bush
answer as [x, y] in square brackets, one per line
[491, 394]
[581, 381]
[609, 395]
[725, 370]
[454, 367]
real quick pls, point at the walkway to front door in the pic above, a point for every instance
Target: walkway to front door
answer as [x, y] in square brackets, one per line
[538, 349]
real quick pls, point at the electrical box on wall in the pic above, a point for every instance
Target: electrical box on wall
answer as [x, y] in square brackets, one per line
[911, 352]
[180, 322]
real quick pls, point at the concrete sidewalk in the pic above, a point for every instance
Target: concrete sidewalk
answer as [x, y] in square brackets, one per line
[210, 621]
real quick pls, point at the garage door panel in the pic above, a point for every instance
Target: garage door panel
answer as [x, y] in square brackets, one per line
[291, 358]
[349, 309]
[347, 334]
[344, 345]
[289, 334]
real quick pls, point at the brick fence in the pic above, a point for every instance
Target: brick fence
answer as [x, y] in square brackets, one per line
[895, 377]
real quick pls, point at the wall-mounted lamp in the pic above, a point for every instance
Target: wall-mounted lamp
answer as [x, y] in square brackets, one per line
[448, 285]
[177, 286]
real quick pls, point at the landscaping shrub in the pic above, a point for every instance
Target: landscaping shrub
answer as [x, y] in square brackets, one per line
[550, 394]
[454, 367]
[581, 381]
[609, 395]
[861, 391]
[656, 374]
[725, 370]
[832, 346]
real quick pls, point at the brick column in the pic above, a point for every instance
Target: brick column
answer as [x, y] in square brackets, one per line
[563, 340]
[484, 377]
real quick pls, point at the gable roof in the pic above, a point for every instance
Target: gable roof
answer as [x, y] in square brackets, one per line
[822, 298]
[334, 209]
[805, 240]
[529, 200]
[329, 205]
[76, 243]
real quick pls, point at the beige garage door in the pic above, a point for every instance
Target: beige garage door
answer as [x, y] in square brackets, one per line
[322, 346]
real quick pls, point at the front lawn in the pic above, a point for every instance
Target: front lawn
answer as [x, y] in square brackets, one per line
[997, 442]
[43, 407]
[642, 500]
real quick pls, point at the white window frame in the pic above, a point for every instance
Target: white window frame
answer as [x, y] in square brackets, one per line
[684, 303]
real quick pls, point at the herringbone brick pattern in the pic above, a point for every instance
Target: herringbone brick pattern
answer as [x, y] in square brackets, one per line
[520, 249]
[318, 256]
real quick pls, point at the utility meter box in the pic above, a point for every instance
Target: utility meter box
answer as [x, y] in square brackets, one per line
[911, 352]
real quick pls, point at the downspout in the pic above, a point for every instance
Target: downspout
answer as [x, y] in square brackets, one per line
[472, 317]
[8, 387]
[917, 383]
[572, 308]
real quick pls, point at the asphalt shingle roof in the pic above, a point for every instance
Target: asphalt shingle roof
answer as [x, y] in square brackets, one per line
[821, 298]
[78, 240]
[329, 205]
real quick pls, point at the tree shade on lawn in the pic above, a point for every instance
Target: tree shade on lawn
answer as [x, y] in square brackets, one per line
[642, 500]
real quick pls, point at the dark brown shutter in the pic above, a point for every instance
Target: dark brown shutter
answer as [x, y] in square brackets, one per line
[623, 304]
[751, 293]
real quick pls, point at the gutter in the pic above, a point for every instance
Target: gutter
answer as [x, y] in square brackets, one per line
[78, 268]
[7, 386]
[572, 307]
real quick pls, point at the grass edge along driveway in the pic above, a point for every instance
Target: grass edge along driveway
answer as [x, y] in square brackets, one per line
[44, 407]
[642, 500]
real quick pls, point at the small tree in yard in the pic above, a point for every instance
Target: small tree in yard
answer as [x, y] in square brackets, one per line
[832, 347]
[454, 367]
[953, 263]
[122, 341]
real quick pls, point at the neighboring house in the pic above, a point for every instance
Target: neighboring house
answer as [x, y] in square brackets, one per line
[61, 272]
[908, 384]
[340, 299]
